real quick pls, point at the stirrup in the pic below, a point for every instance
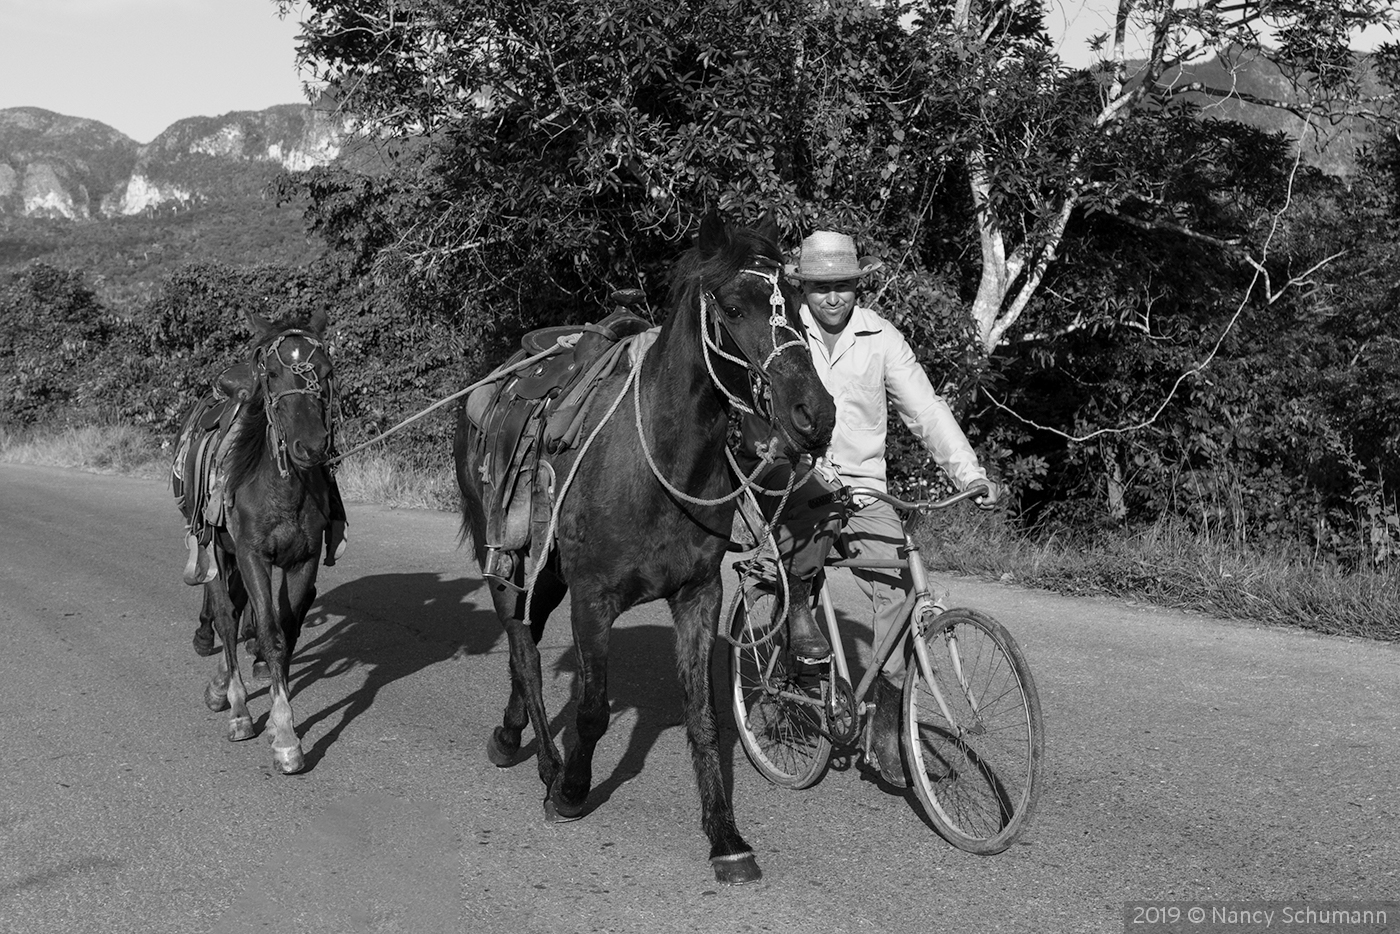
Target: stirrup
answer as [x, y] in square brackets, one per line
[200, 567]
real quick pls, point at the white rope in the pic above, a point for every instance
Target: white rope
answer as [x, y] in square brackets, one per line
[765, 459]
[563, 343]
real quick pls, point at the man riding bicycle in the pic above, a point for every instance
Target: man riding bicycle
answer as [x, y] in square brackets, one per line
[867, 365]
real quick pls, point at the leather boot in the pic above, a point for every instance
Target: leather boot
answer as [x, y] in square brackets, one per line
[336, 537]
[805, 637]
[336, 534]
[883, 751]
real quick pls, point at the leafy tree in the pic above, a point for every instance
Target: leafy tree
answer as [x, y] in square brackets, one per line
[1042, 143]
[54, 328]
[1120, 230]
[578, 126]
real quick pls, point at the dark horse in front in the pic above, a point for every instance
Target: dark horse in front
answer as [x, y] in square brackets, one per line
[275, 508]
[647, 516]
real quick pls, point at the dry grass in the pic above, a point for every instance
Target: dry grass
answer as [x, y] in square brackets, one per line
[375, 477]
[116, 449]
[1170, 565]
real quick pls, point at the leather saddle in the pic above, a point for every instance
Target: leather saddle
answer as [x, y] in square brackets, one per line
[199, 453]
[535, 414]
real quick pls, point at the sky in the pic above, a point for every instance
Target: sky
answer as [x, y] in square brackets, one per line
[140, 65]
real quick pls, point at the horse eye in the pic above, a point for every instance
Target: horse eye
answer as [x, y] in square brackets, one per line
[732, 312]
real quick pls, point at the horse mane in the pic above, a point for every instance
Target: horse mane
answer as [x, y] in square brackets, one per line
[693, 272]
[245, 455]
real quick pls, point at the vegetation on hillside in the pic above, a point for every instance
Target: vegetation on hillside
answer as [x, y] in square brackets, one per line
[125, 259]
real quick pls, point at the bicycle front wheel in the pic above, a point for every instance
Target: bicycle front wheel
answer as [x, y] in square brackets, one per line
[777, 701]
[973, 737]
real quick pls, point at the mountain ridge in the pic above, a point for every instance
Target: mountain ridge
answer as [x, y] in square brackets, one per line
[58, 166]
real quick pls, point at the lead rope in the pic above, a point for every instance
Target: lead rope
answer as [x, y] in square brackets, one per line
[765, 550]
[563, 343]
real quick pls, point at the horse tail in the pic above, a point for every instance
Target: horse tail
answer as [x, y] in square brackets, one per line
[464, 447]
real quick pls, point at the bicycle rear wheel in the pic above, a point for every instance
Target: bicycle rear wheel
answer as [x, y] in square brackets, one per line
[777, 701]
[975, 759]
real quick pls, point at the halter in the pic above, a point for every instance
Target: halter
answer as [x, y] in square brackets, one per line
[759, 380]
[310, 384]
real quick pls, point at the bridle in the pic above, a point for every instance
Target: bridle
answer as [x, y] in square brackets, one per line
[760, 383]
[305, 380]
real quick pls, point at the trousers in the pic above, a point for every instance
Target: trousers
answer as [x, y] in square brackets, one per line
[805, 535]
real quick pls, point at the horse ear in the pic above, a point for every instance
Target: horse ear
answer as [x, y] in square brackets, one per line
[767, 227]
[319, 319]
[714, 235]
[261, 326]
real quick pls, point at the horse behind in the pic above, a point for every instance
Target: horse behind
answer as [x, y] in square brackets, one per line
[267, 550]
[644, 513]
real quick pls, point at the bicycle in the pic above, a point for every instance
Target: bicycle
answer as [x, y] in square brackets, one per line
[971, 726]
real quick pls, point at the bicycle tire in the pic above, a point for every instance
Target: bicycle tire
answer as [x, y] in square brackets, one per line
[780, 715]
[977, 779]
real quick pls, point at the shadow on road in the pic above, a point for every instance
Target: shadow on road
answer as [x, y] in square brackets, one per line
[392, 626]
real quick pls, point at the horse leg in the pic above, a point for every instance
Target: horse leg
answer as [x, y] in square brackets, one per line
[592, 621]
[247, 631]
[269, 610]
[526, 702]
[209, 610]
[225, 690]
[695, 609]
[204, 635]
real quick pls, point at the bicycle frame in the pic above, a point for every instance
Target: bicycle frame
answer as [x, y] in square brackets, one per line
[918, 608]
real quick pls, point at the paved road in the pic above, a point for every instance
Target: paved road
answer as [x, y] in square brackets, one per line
[1188, 759]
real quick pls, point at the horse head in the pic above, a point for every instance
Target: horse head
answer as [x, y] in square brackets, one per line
[293, 371]
[754, 337]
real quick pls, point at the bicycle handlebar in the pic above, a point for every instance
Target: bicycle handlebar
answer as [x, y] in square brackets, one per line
[847, 494]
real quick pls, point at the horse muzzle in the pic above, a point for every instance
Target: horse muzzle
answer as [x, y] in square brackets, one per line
[306, 455]
[806, 422]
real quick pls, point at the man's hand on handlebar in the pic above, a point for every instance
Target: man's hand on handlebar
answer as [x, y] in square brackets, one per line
[988, 500]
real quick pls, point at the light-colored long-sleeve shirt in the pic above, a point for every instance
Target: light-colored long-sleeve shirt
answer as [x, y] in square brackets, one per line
[872, 367]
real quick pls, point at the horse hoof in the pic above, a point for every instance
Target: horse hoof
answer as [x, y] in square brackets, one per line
[289, 761]
[502, 754]
[738, 869]
[204, 642]
[215, 698]
[240, 728]
[556, 812]
[261, 673]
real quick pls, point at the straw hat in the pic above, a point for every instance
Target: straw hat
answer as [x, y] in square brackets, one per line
[827, 256]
